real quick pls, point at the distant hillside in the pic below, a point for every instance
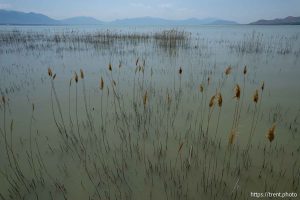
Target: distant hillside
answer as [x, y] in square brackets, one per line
[285, 21]
[81, 21]
[21, 18]
[160, 21]
[14, 17]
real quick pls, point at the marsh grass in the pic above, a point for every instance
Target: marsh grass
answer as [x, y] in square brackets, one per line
[150, 136]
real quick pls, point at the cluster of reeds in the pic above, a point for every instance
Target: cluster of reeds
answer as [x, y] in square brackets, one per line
[151, 134]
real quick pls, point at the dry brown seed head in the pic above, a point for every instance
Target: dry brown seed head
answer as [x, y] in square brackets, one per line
[81, 74]
[101, 83]
[212, 101]
[76, 77]
[263, 86]
[255, 96]
[180, 70]
[271, 133]
[232, 136]
[220, 100]
[110, 67]
[201, 88]
[237, 90]
[245, 70]
[228, 70]
[50, 72]
[145, 98]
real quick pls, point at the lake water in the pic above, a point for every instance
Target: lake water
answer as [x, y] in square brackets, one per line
[147, 131]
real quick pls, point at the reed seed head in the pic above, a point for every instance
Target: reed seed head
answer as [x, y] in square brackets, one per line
[263, 86]
[110, 67]
[50, 72]
[228, 70]
[220, 100]
[255, 96]
[245, 70]
[81, 74]
[201, 88]
[54, 76]
[232, 137]
[76, 77]
[212, 101]
[237, 91]
[101, 84]
[208, 80]
[137, 61]
[180, 70]
[145, 99]
[271, 133]
[3, 99]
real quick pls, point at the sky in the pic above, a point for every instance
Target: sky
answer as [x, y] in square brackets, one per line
[242, 11]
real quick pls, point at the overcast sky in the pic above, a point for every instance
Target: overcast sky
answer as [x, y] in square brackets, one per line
[242, 11]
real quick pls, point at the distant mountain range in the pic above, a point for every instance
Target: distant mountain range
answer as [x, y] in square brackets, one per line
[160, 21]
[21, 18]
[285, 21]
[8, 17]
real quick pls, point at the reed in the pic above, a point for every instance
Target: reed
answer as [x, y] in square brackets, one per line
[237, 95]
[228, 70]
[31, 159]
[244, 92]
[76, 104]
[259, 104]
[178, 153]
[69, 104]
[4, 131]
[101, 87]
[180, 74]
[271, 133]
[252, 129]
[88, 114]
[220, 103]
[63, 129]
[145, 99]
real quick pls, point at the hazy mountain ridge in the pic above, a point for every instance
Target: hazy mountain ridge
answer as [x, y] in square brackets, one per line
[21, 18]
[160, 21]
[15, 17]
[279, 21]
[81, 20]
